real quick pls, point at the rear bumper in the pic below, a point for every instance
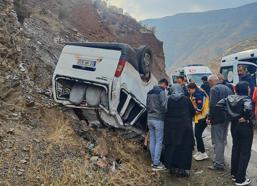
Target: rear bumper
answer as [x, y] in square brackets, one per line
[123, 109]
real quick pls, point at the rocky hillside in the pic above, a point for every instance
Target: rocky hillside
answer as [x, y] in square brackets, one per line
[42, 143]
[87, 21]
[202, 37]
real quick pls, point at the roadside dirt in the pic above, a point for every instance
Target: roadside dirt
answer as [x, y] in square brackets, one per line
[200, 176]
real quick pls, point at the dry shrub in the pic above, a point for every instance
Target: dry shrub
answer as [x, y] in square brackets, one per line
[60, 129]
[135, 168]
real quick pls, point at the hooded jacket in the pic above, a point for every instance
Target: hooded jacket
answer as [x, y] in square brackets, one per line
[236, 106]
[156, 103]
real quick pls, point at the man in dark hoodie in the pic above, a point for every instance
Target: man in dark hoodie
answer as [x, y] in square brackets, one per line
[239, 109]
[156, 109]
[205, 86]
[244, 76]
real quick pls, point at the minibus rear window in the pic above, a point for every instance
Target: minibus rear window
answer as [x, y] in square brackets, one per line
[251, 60]
[228, 74]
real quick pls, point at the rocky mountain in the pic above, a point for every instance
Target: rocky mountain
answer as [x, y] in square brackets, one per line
[238, 47]
[202, 37]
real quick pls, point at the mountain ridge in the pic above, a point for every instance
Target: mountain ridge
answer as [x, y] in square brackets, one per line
[201, 37]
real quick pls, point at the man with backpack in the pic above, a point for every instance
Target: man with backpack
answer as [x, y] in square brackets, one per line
[239, 111]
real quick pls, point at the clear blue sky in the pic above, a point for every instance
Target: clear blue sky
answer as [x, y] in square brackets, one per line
[144, 9]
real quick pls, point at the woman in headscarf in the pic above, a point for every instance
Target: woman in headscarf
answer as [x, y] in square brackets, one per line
[178, 133]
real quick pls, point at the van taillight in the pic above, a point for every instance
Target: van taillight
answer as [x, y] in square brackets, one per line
[120, 67]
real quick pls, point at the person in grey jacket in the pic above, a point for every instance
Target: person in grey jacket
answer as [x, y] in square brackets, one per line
[156, 109]
[217, 119]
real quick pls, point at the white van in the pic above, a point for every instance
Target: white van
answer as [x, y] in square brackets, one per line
[193, 73]
[229, 65]
[111, 78]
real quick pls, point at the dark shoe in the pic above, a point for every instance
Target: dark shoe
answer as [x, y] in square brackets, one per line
[215, 168]
[174, 171]
[183, 173]
[160, 167]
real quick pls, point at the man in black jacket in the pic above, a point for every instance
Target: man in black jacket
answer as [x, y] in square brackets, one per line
[245, 76]
[239, 109]
[205, 86]
[217, 119]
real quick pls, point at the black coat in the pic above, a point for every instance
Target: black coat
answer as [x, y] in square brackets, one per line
[178, 127]
[206, 87]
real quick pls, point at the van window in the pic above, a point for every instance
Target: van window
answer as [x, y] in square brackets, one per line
[196, 78]
[252, 60]
[228, 74]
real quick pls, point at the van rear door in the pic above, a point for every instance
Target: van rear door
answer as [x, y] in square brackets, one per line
[86, 63]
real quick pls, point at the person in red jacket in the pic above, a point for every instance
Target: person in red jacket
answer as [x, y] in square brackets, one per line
[255, 101]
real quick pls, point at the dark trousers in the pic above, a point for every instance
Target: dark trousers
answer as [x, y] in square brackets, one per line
[242, 134]
[199, 129]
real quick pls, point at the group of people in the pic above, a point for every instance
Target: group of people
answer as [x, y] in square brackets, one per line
[178, 115]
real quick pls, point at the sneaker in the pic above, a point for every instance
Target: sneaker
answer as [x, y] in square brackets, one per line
[196, 154]
[233, 178]
[212, 167]
[160, 167]
[246, 182]
[201, 156]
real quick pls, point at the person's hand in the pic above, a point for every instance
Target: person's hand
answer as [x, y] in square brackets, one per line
[242, 120]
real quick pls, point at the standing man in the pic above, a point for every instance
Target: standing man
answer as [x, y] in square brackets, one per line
[205, 86]
[156, 107]
[181, 81]
[217, 119]
[245, 76]
[239, 108]
[200, 101]
[224, 82]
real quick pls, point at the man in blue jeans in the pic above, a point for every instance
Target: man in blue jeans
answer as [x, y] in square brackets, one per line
[156, 108]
